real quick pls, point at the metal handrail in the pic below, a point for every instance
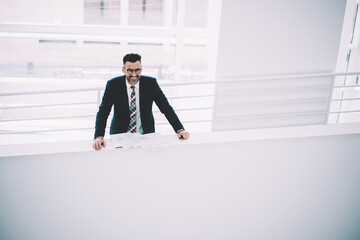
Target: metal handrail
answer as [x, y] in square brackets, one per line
[219, 81]
[193, 121]
[184, 97]
[50, 91]
[48, 105]
[179, 110]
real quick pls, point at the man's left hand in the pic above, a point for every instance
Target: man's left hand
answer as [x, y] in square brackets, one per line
[182, 135]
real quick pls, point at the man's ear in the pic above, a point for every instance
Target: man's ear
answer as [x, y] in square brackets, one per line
[123, 69]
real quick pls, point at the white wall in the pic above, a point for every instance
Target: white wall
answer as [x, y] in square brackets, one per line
[279, 37]
[277, 189]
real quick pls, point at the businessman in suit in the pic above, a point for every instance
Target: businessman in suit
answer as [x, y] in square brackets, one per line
[132, 96]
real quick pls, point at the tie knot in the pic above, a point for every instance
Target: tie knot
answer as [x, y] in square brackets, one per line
[132, 87]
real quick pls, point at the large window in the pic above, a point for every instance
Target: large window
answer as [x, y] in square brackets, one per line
[51, 48]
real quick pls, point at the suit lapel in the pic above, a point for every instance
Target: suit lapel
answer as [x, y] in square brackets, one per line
[124, 92]
[141, 94]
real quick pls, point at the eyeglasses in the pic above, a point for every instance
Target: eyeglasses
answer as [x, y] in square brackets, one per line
[130, 71]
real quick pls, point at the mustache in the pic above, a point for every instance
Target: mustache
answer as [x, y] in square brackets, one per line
[133, 78]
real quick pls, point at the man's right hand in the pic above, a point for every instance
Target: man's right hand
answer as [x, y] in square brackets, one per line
[98, 143]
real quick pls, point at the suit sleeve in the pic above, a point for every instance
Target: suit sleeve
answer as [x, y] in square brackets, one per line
[165, 108]
[103, 113]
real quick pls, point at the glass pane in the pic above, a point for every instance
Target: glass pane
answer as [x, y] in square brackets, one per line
[195, 62]
[146, 12]
[105, 12]
[196, 13]
[58, 58]
[157, 59]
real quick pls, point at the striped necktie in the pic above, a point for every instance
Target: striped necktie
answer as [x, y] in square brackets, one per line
[132, 109]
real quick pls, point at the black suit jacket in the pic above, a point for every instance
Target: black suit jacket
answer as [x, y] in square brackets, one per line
[116, 95]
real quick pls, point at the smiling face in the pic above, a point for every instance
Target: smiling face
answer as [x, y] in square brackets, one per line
[132, 70]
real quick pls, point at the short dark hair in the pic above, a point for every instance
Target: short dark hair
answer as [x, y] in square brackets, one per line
[131, 57]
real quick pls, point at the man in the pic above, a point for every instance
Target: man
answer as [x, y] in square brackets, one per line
[132, 96]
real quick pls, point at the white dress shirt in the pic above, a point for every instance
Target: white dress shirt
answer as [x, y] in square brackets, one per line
[137, 95]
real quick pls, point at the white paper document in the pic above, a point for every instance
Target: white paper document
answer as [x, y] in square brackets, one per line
[137, 140]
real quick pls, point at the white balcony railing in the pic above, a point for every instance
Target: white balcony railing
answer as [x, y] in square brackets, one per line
[248, 103]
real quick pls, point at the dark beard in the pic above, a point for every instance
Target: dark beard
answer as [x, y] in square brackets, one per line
[130, 81]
